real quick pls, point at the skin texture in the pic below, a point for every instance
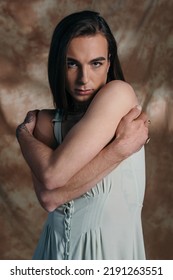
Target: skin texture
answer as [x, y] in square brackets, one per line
[86, 75]
[86, 70]
[131, 133]
[128, 140]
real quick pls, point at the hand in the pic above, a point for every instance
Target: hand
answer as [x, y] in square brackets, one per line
[132, 131]
[28, 124]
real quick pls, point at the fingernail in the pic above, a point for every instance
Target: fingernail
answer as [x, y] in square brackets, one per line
[139, 107]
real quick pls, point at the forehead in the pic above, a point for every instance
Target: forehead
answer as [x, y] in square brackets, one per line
[88, 47]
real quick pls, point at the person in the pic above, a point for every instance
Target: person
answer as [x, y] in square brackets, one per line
[87, 155]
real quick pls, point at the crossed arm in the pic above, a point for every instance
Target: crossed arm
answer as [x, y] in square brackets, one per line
[131, 134]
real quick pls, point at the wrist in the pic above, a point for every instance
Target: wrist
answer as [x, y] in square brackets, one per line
[118, 151]
[122, 149]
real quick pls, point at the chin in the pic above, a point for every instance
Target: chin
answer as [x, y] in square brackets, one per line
[84, 99]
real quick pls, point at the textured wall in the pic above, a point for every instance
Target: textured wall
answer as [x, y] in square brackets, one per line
[143, 31]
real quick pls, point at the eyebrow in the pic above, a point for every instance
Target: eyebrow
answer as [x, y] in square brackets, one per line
[100, 58]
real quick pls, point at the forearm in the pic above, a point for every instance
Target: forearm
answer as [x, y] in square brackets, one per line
[39, 161]
[131, 135]
[80, 183]
[36, 153]
[85, 179]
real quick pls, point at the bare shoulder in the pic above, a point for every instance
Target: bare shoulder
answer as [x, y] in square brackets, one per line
[120, 89]
[115, 98]
[44, 127]
[45, 115]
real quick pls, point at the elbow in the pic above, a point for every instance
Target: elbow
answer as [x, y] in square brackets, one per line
[46, 202]
[49, 208]
[52, 180]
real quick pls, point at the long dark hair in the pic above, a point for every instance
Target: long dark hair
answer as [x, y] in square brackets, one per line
[82, 23]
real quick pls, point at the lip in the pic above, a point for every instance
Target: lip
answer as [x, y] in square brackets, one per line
[84, 91]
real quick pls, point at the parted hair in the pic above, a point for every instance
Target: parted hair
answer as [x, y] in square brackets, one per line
[82, 23]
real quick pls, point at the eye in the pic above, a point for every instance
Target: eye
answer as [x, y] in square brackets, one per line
[97, 64]
[71, 64]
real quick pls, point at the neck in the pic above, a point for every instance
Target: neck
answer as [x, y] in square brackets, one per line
[80, 107]
[77, 107]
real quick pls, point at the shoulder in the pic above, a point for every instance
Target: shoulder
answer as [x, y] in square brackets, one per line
[44, 119]
[115, 97]
[44, 127]
[46, 114]
[120, 89]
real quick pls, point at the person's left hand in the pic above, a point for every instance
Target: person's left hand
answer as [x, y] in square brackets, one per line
[28, 124]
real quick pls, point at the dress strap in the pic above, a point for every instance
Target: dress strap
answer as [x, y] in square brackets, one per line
[57, 120]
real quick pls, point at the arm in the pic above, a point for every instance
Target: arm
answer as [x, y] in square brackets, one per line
[132, 133]
[48, 166]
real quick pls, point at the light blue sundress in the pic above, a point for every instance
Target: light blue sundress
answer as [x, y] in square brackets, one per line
[104, 223]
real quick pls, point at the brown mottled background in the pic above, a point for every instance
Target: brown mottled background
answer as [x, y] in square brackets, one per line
[143, 30]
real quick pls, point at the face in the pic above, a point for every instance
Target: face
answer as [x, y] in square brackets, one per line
[87, 66]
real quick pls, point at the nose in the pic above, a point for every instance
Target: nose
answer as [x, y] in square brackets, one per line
[83, 76]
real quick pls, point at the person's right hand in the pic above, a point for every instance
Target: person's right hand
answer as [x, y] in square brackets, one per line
[132, 131]
[28, 124]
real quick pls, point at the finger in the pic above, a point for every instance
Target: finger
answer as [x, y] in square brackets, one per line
[148, 140]
[143, 116]
[22, 127]
[31, 115]
[133, 113]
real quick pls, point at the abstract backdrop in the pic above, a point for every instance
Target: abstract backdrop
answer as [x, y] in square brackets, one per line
[143, 30]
